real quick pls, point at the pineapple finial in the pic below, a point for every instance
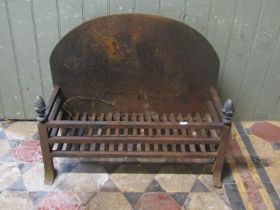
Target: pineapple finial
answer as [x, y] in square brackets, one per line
[40, 108]
[228, 112]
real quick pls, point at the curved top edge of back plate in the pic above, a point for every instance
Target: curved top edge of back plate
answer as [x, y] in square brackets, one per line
[133, 54]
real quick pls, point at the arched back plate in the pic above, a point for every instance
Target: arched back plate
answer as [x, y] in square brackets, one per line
[140, 62]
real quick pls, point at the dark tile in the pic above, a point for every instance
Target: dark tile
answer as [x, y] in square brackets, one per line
[265, 162]
[154, 186]
[36, 197]
[227, 175]
[6, 124]
[109, 186]
[85, 197]
[67, 167]
[234, 197]
[2, 134]
[24, 167]
[152, 167]
[248, 131]
[257, 162]
[195, 168]
[110, 167]
[180, 197]
[276, 146]
[35, 136]
[17, 186]
[14, 143]
[132, 197]
[199, 187]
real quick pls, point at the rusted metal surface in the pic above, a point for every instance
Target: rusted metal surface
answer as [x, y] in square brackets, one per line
[138, 62]
[142, 89]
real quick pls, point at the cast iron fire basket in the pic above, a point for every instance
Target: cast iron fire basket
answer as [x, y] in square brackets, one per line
[134, 86]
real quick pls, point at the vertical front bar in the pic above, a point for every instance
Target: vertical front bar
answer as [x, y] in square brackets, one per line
[48, 160]
[228, 111]
[219, 162]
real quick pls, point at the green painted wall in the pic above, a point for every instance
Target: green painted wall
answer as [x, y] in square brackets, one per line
[245, 34]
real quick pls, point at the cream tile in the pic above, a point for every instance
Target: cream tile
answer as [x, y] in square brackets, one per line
[84, 178]
[205, 201]
[4, 147]
[34, 179]
[109, 201]
[14, 200]
[129, 178]
[9, 173]
[21, 130]
[175, 179]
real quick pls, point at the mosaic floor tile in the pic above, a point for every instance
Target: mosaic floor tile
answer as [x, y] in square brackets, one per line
[28, 151]
[23, 167]
[14, 143]
[14, 200]
[18, 185]
[159, 200]
[132, 197]
[154, 186]
[175, 179]
[36, 197]
[2, 133]
[60, 200]
[109, 186]
[180, 198]
[266, 131]
[109, 201]
[132, 178]
[21, 130]
[205, 201]
[250, 177]
[34, 179]
[9, 157]
[9, 174]
[4, 147]
[276, 146]
[84, 178]
[198, 186]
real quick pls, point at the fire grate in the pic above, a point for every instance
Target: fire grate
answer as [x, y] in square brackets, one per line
[152, 83]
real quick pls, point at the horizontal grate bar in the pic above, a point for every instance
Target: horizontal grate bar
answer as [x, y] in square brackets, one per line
[134, 154]
[134, 139]
[132, 124]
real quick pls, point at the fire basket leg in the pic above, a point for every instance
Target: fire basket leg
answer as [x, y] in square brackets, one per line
[219, 162]
[228, 111]
[47, 159]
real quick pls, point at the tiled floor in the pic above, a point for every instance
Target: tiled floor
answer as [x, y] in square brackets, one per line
[251, 176]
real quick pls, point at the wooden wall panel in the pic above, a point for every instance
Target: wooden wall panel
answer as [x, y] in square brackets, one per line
[147, 6]
[94, 8]
[241, 44]
[174, 9]
[70, 15]
[198, 14]
[29, 71]
[268, 101]
[219, 30]
[47, 34]
[245, 34]
[122, 6]
[10, 87]
[263, 49]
